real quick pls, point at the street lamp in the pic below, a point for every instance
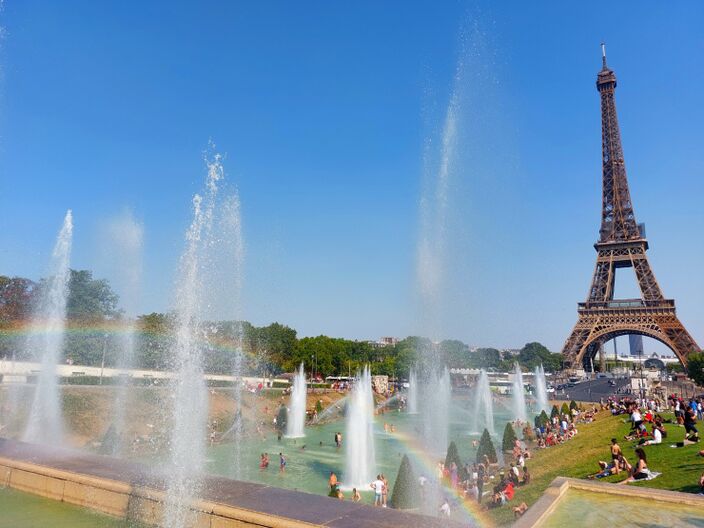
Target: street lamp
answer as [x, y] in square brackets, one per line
[102, 363]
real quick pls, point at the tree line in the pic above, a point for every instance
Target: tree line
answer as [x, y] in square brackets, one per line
[96, 333]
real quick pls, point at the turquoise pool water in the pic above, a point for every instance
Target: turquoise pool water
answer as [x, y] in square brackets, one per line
[597, 510]
[309, 467]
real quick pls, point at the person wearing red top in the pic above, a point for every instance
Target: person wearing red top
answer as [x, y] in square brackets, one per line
[508, 491]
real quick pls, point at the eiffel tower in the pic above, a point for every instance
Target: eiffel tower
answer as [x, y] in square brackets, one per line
[621, 245]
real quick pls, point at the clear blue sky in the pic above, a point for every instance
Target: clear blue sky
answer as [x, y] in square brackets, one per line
[323, 110]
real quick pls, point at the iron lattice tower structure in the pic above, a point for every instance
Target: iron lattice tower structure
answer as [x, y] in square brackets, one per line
[621, 245]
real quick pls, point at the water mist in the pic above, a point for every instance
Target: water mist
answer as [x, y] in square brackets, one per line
[295, 426]
[518, 398]
[359, 434]
[49, 322]
[189, 396]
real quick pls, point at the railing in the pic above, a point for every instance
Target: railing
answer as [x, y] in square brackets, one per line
[627, 303]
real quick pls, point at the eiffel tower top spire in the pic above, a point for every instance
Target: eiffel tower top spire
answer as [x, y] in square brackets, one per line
[618, 222]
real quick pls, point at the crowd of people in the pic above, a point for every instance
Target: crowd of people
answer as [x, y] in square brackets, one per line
[647, 428]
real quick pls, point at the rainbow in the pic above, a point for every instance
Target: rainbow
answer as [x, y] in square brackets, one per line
[108, 328]
[419, 456]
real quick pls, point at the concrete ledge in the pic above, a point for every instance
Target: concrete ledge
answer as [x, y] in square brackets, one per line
[129, 490]
[541, 510]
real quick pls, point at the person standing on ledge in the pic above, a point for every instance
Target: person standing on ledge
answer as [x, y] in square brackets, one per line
[378, 487]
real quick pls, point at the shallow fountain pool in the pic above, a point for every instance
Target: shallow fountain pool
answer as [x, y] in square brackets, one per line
[602, 509]
[23, 510]
[309, 467]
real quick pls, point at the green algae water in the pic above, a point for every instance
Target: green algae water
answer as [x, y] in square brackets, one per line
[24, 510]
[588, 508]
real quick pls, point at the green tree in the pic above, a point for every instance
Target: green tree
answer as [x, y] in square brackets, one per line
[544, 419]
[16, 295]
[535, 354]
[509, 439]
[485, 358]
[454, 456]
[89, 299]
[282, 419]
[154, 340]
[405, 495]
[695, 367]
[565, 409]
[486, 447]
[573, 405]
[454, 354]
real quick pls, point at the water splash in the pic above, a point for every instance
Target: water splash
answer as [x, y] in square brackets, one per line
[230, 272]
[412, 392]
[541, 390]
[483, 415]
[436, 410]
[440, 170]
[189, 397]
[125, 235]
[360, 458]
[518, 398]
[45, 417]
[295, 426]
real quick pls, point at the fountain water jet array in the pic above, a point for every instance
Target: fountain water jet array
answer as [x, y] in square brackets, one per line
[518, 398]
[295, 425]
[49, 321]
[483, 416]
[360, 458]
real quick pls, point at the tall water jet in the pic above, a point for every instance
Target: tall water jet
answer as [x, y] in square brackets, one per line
[295, 424]
[49, 323]
[412, 398]
[483, 416]
[189, 396]
[125, 235]
[541, 390]
[518, 397]
[432, 261]
[359, 434]
[232, 263]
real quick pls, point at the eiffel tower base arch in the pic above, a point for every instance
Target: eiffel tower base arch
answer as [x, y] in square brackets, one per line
[597, 325]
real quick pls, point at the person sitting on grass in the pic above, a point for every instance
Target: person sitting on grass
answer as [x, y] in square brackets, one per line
[640, 471]
[504, 494]
[614, 468]
[526, 476]
[657, 437]
[519, 510]
[639, 432]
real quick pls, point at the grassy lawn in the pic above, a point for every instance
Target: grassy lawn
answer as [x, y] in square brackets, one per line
[680, 467]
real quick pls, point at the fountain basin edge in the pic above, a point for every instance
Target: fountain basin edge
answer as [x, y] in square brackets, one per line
[127, 489]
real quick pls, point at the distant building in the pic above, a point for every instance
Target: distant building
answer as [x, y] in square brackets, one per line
[510, 351]
[383, 342]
